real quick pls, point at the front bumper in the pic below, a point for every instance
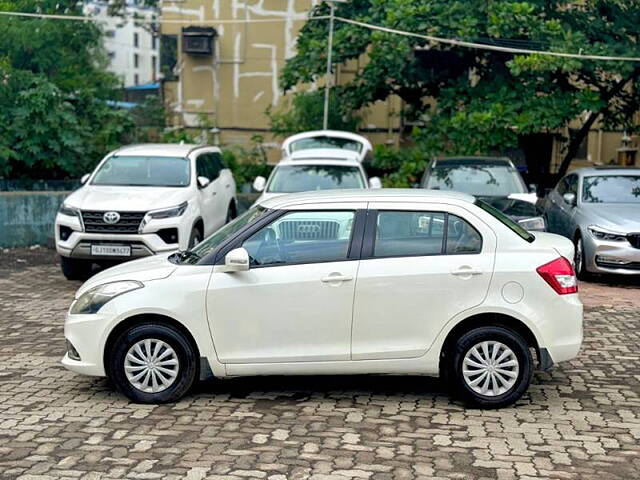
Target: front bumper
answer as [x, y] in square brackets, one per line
[78, 243]
[87, 334]
[602, 256]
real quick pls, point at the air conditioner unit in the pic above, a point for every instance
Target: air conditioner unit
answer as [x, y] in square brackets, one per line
[198, 40]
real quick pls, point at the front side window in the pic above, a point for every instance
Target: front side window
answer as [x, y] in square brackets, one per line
[304, 178]
[611, 189]
[479, 180]
[302, 237]
[215, 240]
[409, 234]
[143, 171]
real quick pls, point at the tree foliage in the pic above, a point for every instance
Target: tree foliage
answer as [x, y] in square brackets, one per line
[305, 112]
[485, 99]
[54, 116]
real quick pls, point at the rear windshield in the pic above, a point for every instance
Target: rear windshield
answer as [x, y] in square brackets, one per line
[510, 224]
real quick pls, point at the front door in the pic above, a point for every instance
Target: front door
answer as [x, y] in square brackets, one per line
[421, 269]
[295, 303]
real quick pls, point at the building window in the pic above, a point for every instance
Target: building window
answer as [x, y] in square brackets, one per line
[154, 42]
[136, 79]
[154, 66]
[111, 55]
[110, 33]
[136, 60]
[136, 40]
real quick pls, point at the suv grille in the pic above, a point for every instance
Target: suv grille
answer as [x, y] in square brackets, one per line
[128, 223]
[309, 230]
[634, 239]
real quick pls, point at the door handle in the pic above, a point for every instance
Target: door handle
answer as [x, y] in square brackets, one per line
[227, 185]
[214, 194]
[466, 272]
[335, 278]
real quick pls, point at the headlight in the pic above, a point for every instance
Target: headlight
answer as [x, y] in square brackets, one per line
[605, 234]
[93, 300]
[163, 213]
[169, 212]
[533, 223]
[69, 211]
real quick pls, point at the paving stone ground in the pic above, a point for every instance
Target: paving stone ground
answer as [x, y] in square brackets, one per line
[581, 421]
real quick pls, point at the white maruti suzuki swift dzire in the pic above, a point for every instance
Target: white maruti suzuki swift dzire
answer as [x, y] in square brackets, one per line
[338, 282]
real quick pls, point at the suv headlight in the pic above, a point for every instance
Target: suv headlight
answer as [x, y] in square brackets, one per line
[94, 299]
[533, 223]
[69, 210]
[163, 213]
[606, 234]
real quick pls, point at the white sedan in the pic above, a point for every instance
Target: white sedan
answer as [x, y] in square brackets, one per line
[338, 282]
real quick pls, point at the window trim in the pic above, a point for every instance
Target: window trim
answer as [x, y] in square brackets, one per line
[353, 251]
[372, 225]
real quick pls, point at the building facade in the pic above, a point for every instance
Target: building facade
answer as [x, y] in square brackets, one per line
[132, 47]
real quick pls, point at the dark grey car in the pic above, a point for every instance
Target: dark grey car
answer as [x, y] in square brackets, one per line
[599, 209]
[492, 179]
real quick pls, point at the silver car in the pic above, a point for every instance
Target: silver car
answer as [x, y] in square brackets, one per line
[599, 209]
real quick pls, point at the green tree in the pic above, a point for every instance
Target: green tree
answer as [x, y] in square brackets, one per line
[485, 99]
[55, 119]
[305, 112]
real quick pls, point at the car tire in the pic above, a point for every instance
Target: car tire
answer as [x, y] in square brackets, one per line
[579, 260]
[196, 237]
[172, 357]
[231, 213]
[75, 268]
[476, 373]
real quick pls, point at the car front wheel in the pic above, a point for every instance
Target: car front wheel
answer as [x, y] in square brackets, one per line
[152, 363]
[492, 366]
[579, 261]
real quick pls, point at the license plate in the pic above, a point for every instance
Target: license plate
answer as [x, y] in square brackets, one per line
[111, 250]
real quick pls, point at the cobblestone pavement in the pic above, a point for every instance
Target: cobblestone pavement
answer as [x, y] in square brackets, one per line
[582, 421]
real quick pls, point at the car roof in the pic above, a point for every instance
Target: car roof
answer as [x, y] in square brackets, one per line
[606, 170]
[160, 149]
[469, 161]
[367, 195]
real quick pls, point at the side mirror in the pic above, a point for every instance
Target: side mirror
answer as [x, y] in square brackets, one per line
[203, 182]
[570, 198]
[84, 178]
[236, 260]
[375, 182]
[259, 183]
[533, 188]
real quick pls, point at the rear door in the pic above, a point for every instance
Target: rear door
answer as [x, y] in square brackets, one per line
[420, 267]
[208, 196]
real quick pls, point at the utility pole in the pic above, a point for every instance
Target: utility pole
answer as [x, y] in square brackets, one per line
[329, 76]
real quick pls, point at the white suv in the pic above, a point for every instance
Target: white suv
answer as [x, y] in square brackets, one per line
[142, 200]
[388, 281]
[312, 170]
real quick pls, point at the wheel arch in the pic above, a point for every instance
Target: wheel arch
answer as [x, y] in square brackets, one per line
[199, 223]
[486, 319]
[147, 318]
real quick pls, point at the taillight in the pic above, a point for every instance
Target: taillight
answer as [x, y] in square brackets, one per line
[560, 276]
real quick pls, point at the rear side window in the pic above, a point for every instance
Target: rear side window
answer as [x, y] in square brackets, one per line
[502, 218]
[409, 234]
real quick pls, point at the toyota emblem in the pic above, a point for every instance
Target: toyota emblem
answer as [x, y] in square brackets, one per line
[111, 217]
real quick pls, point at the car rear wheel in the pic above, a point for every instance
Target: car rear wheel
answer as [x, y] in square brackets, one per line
[152, 363]
[75, 269]
[492, 367]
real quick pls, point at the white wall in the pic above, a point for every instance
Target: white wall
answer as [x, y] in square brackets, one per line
[119, 44]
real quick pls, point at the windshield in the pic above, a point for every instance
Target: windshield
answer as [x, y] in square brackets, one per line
[223, 234]
[142, 171]
[611, 189]
[478, 180]
[510, 224]
[325, 142]
[304, 178]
